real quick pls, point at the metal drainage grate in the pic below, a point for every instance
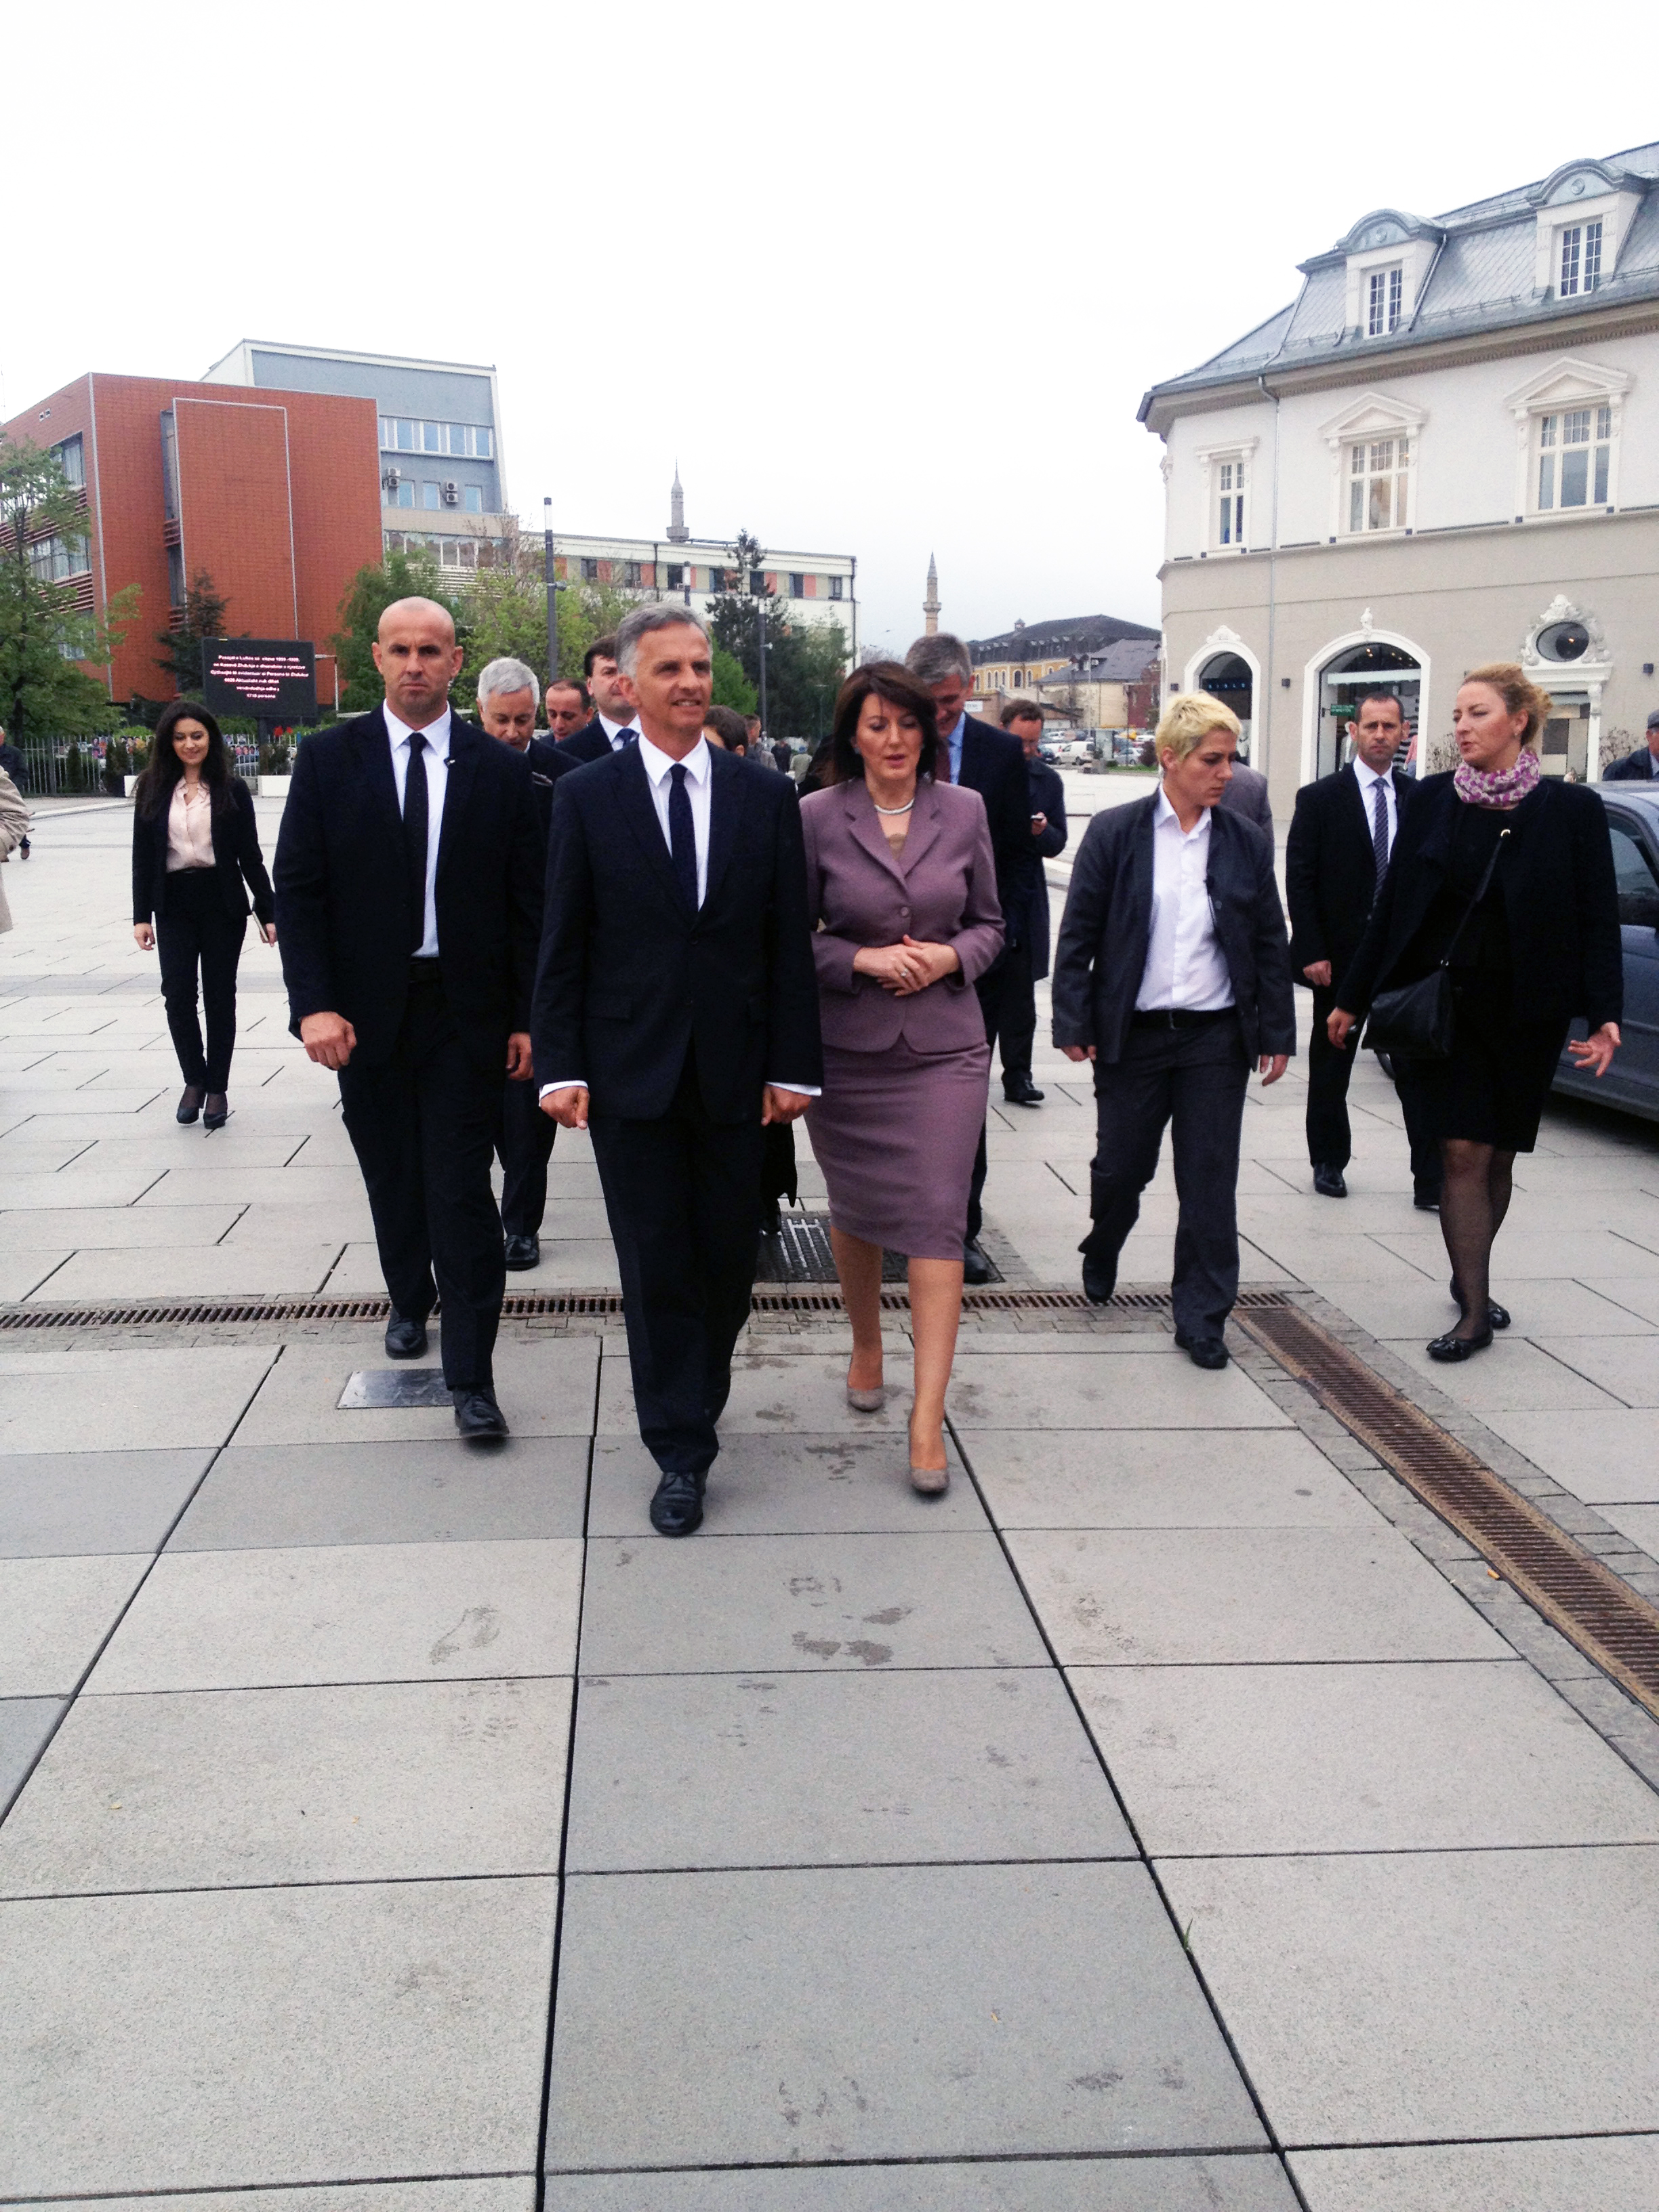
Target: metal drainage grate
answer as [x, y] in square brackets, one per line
[801, 1253]
[1610, 1622]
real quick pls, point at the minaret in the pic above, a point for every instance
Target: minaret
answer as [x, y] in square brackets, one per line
[930, 604]
[678, 532]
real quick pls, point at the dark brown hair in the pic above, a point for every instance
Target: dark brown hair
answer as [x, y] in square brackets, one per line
[154, 789]
[729, 727]
[603, 648]
[573, 684]
[891, 681]
[1021, 710]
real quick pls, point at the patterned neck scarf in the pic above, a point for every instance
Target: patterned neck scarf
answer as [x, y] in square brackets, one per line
[1497, 787]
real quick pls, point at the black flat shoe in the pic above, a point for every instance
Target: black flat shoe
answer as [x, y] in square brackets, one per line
[405, 1339]
[521, 1252]
[1203, 1351]
[1451, 1351]
[975, 1267]
[477, 1414]
[1023, 1093]
[677, 1507]
[190, 1102]
[1328, 1180]
[1496, 1316]
[215, 1110]
[1425, 1197]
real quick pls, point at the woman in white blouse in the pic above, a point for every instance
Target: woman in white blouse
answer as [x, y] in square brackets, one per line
[196, 859]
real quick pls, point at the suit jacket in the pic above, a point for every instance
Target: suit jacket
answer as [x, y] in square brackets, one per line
[1330, 868]
[941, 888]
[1635, 768]
[1107, 926]
[548, 763]
[237, 860]
[343, 919]
[629, 980]
[993, 765]
[1560, 899]
[1247, 795]
[1047, 796]
[590, 743]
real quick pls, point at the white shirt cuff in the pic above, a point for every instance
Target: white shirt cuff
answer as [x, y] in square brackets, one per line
[570, 1083]
[800, 1090]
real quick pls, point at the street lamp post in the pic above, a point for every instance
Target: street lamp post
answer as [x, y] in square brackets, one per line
[552, 594]
[759, 615]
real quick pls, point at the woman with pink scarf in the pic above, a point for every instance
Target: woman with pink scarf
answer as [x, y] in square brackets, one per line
[1505, 877]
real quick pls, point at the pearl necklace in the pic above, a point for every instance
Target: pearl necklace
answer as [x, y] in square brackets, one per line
[905, 809]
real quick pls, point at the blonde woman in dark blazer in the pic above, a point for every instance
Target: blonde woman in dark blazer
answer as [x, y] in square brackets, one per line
[902, 883]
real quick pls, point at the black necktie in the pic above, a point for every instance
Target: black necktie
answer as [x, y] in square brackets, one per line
[682, 839]
[415, 827]
[1380, 829]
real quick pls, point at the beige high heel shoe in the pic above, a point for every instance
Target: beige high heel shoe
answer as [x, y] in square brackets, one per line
[867, 1401]
[930, 1481]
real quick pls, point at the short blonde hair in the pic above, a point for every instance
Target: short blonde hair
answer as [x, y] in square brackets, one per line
[1189, 720]
[1518, 693]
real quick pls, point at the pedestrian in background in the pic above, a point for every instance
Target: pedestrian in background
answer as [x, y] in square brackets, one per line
[1247, 795]
[568, 706]
[1505, 877]
[615, 724]
[196, 864]
[13, 764]
[725, 727]
[1173, 976]
[1643, 765]
[1029, 959]
[13, 833]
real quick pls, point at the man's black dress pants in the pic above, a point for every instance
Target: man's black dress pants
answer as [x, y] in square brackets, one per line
[994, 992]
[523, 1145]
[683, 1196]
[423, 1125]
[1330, 1141]
[1017, 1013]
[1192, 1077]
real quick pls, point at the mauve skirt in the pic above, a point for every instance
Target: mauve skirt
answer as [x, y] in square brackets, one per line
[895, 1132]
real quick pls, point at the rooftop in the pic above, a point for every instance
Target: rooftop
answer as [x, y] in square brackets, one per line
[1071, 634]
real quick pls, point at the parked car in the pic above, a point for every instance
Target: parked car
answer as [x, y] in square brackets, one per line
[1633, 1081]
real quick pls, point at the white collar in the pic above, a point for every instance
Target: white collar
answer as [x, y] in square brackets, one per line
[657, 764]
[1364, 768]
[435, 734]
[613, 730]
[1166, 814]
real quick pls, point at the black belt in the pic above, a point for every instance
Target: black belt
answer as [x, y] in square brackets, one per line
[1178, 1018]
[424, 971]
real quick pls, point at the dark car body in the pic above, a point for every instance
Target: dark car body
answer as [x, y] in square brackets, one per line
[1633, 1081]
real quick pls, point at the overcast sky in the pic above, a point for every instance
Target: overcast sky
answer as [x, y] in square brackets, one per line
[885, 278]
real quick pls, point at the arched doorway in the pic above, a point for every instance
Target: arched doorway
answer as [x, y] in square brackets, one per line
[1345, 678]
[1226, 677]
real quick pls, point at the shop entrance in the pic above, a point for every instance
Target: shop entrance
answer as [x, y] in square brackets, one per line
[1353, 671]
[1226, 677]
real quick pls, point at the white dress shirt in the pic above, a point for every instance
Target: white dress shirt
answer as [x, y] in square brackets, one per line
[1367, 780]
[699, 782]
[435, 760]
[1185, 966]
[618, 733]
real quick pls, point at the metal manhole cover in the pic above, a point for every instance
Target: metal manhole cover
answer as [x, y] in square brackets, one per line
[399, 1389]
[801, 1253]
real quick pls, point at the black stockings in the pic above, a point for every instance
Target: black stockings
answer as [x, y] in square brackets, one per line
[1473, 1200]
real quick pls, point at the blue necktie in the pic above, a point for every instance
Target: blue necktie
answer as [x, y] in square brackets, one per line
[1380, 830]
[682, 839]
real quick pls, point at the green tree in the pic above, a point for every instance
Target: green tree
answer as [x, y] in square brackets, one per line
[732, 687]
[45, 692]
[180, 656]
[805, 662]
[374, 588]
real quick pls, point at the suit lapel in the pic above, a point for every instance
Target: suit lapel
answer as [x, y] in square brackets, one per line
[924, 820]
[464, 743]
[374, 752]
[728, 789]
[865, 826]
[634, 801]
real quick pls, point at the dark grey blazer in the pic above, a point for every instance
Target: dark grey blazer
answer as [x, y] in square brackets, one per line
[1247, 795]
[1107, 925]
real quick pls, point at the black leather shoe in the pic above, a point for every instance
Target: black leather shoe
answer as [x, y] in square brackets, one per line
[1450, 1350]
[975, 1267]
[1021, 1091]
[1496, 1316]
[522, 1252]
[190, 1102]
[477, 1414]
[215, 1110]
[1099, 1280]
[1425, 1197]
[677, 1508]
[1328, 1180]
[405, 1339]
[1203, 1351]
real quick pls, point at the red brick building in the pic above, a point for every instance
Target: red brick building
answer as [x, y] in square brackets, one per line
[274, 495]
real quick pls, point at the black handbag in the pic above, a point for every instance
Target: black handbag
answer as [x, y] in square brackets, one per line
[1417, 1021]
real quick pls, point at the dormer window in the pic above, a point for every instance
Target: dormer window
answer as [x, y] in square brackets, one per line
[1385, 300]
[1580, 266]
[1575, 453]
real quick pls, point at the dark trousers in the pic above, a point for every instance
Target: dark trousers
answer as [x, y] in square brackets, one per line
[1329, 1139]
[1195, 1079]
[423, 1125]
[523, 1145]
[198, 931]
[1017, 1012]
[682, 1193]
[995, 994]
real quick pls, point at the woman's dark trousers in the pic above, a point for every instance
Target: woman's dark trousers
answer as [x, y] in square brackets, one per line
[198, 931]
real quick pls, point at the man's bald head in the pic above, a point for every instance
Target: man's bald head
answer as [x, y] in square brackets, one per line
[418, 658]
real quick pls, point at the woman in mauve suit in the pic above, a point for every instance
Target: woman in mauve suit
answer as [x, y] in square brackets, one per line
[901, 884]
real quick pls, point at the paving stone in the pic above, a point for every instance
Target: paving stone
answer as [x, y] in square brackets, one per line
[386, 1493]
[802, 1603]
[782, 1769]
[84, 1400]
[1622, 1467]
[22, 1273]
[1181, 1597]
[364, 1613]
[1244, 2184]
[1627, 1370]
[1512, 1373]
[512, 2193]
[1611, 2174]
[545, 1390]
[1637, 1294]
[1112, 1391]
[1435, 1995]
[1160, 1479]
[1639, 1522]
[383, 1782]
[1391, 1309]
[25, 1724]
[53, 1503]
[116, 1228]
[1337, 1759]
[773, 1394]
[238, 1268]
[880, 2012]
[1519, 1256]
[40, 1192]
[54, 1614]
[762, 1485]
[221, 2039]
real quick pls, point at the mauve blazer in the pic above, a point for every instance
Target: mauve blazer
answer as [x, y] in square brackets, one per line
[941, 888]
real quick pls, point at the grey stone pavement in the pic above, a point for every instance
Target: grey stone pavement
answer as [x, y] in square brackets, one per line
[1174, 1817]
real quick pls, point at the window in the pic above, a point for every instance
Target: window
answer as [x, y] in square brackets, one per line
[757, 581]
[431, 495]
[834, 588]
[1638, 893]
[399, 435]
[71, 457]
[590, 570]
[53, 559]
[1230, 518]
[484, 443]
[796, 585]
[1378, 481]
[1574, 454]
[405, 495]
[675, 577]
[1386, 293]
[1580, 260]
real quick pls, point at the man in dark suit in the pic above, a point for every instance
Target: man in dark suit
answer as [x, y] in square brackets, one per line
[1341, 836]
[993, 763]
[1028, 964]
[615, 724]
[524, 1134]
[409, 882]
[1643, 765]
[569, 706]
[677, 1014]
[1247, 795]
[1172, 976]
